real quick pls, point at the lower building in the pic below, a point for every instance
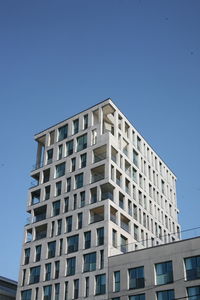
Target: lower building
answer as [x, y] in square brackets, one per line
[165, 272]
[8, 289]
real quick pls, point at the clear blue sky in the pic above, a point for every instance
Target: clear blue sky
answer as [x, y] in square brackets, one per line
[60, 57]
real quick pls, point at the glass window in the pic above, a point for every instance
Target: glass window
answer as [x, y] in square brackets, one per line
[47, 292]
[69, 148]
[76, 288]
[47, 192]
[58, 188]
[68, 184]
[166, 295]
[49, 156]
[66, 208]
[100, 284]
[75, 126]
[87, 286]
[59, 226]
[38, 249]
[83, 160]
[124, 244]
[79, 181]
[51, 249]
[60, 170]
[114, 238]
[73, 164]
[89, 262]
[72, 243]
[136, 278]
[56, 208]
[57, 269]
[80, 220]
[193, 293]
[85, 122]
[135, 158]
[69, 224]
[101, 259]
[117, 281]
[87, 236]
[137, 297]
[82, 195]
[60, 151]
[192, 267]
[26, 255]
[100, 236]
[81, 142]
[164, 273]
[26, 295]
[71, 266]
[57, 291]
[34, 275]
[62, 132]
[47, 271]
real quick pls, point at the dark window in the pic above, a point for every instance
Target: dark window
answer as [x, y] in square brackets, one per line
[66, 209]
[82, 195]
[87, 236]
[72, 243]
[47, 292]
[62, 132]
[100, 236]
[68, 184]
[89, 262]
[83, 160]
[100, 284]
[76, 126]
[51, 249]
[136, 278]
[56, 208]
[69, 224]
[73, 164]
[192, 267]
[80, 220]
[26, 295]
[34, 275]
[76, 288]
[58, 188]
[38, 249]
[49, 156]
[193, 292]
[117, 281]
[166, 295]
[57, 269]
[59, 227]
[47, 192]
[60, 170]
[87, 286]
[79, 180]
[47, 272]
[57, 291]
[137, 297]
[164, 273]
[69, 148]
[85, 122]
[26, 256]
[81, 142]
[71, 266]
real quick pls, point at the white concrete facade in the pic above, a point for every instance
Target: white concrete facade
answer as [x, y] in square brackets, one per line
[94, 173]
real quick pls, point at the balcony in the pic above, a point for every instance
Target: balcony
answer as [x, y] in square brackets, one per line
[41, 232]
[98, 173]
[97, 214]
[35, 197]
[113, 215]
[124, 223]
[107, 192]
[99, 153]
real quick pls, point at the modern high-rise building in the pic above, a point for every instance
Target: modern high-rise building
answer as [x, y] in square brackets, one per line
[99, 190]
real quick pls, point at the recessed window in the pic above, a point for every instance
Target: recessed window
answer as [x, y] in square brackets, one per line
[192, 267]
[26, 295]
[51, 249]
[76, 288]
[164, 273]
[100, 284]
[87, 237]
[60, 170]
[166, 295]
[49, 156]
[72, 243]
[38, 249]
[116, 287]
[81, 142]
[58, 188]
[57, 291]
[75, 126]
[62, 132]
[138, 297]
[100, 236]
[85, 121]
[82, 196]
[69, 224]
[89, 262]
[69, 148]
[26, 256]
[83, 159]
[47, 290]
[34, 275]
[71, 266]
[80, 220]
[79, 181]
[68, 184]
[193, 292]
[56, 208]
[73, 164]
[47, 271]
[136, 278]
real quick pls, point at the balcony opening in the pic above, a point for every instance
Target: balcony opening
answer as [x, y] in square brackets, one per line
[97, 214]
[98, 173]
[127, 186]
[124, 223]
[108, 119]
[121, 200]
[40, 213]
[114, 154]
[107, 191]
[41, 232]
[36, 179]
[113, 215]
[40, 152]
[46, 175]
[125, 147]
[35, 197]
[99, 154]
[93, 195]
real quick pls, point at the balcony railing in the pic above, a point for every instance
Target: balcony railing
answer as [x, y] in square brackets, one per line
[39, 217]
[97, 218]
[99, 157]
[41, 235]
[107, 195]
[97, 177]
